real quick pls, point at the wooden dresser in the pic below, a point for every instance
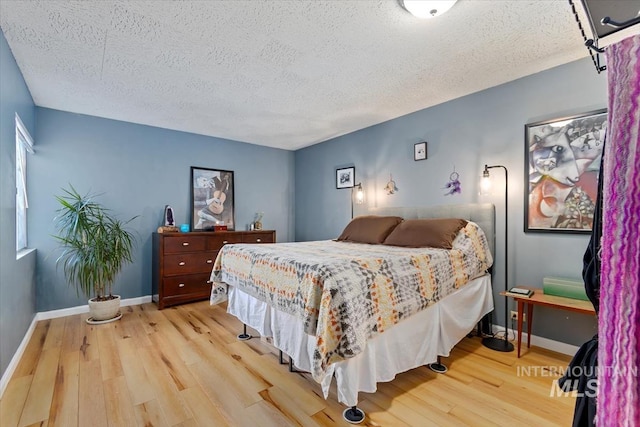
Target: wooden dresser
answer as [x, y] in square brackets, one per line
[182, 262]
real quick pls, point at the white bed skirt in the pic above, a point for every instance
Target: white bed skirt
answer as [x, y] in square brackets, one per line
[415, 341]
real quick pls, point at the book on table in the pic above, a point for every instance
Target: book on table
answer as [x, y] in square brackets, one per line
[520, 292]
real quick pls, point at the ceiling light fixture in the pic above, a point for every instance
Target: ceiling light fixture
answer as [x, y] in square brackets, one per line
[427, 8]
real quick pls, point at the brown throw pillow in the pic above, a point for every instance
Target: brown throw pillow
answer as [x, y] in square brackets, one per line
[420, 233]
[369, 229]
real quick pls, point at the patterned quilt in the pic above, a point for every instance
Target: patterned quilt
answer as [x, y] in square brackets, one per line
[346, 293]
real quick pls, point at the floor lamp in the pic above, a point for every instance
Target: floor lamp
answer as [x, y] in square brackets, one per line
[492, 342]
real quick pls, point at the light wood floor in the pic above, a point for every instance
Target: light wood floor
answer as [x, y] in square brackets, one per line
[184, 367]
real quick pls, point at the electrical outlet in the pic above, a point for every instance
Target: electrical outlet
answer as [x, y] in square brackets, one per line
[514, 316]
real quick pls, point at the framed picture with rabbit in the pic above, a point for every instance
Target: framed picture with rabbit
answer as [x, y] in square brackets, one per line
[211, 199]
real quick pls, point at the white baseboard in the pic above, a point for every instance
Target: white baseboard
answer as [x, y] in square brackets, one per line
[545, 343]
[44, 315]
[13, 364]
[52, 314]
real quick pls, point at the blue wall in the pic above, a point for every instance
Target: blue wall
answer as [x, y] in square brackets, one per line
[466, 133]
[140, 169]
[17, 276]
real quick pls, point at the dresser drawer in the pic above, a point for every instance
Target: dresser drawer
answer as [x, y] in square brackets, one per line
[197, 262]
[189, 284]
[182, 262]
[218, 240]
[258, 237]
[184, 243]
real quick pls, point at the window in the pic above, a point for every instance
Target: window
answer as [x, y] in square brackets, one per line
[24, 144]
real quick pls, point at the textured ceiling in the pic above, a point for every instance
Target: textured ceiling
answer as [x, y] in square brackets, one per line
[284, 74]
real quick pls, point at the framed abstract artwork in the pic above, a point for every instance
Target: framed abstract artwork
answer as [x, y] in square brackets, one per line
[345, 177]
[211, 199]
[562, 163]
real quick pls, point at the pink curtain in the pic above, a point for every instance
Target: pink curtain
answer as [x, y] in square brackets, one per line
[619, 321]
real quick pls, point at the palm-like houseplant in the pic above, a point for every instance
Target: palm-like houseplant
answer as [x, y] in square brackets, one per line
[95, 247]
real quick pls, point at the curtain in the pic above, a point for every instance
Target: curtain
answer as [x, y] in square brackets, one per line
[619, 319]
[581, 374]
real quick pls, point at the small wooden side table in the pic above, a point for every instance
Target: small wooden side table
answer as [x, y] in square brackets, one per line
[539, 298]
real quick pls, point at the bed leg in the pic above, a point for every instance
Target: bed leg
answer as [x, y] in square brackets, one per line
[477, 331]
[438, 367]
[291, 367]
[353, 415]
[244, 336]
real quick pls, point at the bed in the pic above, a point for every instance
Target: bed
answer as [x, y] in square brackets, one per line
[344, 310]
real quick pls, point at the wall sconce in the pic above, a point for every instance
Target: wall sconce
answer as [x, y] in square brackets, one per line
[485, 182]
[359, 196]
[424, 9]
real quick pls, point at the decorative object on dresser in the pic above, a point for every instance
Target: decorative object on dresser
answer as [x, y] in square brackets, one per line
[562, 161]
[95, 246]
[168, 216]
[182, 262]
[169, 223]
[257, 224]
[211, 199]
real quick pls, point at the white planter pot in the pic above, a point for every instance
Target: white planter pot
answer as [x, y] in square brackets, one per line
[104, 311]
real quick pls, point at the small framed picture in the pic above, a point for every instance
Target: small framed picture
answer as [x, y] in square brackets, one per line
[420, 151]
[345, 177]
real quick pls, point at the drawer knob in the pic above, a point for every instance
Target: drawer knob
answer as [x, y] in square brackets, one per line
[181, 263]
[208, 282]
[258, 240]
[185, 243]
[209, 261]
[181, 285]
[224, 242]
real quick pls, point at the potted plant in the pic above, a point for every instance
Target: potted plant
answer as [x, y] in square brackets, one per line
[95, 247]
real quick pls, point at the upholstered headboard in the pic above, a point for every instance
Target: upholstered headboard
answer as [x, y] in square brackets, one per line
[483, 214]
